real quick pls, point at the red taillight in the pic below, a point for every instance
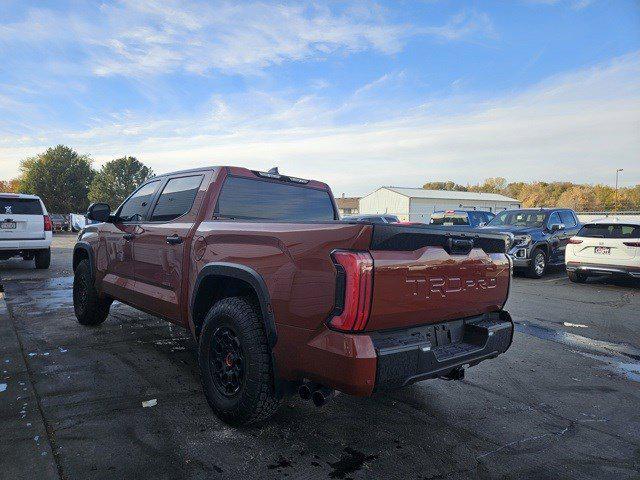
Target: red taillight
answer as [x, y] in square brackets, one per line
[632, 244]
[357, 270]
[575, 241]
[47, 223]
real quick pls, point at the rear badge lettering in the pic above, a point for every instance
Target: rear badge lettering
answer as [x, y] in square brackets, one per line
[427, 287]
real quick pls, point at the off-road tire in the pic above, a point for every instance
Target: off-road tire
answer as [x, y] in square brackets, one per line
[43, 259]
[256, 399]
[533, 271]
[577, 277]
[89, 308]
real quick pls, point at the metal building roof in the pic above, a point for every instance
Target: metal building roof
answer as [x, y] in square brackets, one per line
[451, 194]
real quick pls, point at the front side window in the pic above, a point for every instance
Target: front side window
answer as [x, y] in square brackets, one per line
[554, 219]
[245, 198]
[176, 198]
[133, 209]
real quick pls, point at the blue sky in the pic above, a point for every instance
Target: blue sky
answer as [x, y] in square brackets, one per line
[359, 94]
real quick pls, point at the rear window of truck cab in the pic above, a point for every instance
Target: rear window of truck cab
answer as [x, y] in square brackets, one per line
[609, 230]
[20, 206]
[449, 218]
[253, 199]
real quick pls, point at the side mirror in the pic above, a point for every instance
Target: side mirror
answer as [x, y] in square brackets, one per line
[557, 226]
[99, 212]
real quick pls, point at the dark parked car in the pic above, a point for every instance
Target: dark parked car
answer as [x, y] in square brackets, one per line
[540, 236]
[472, 218]
[282, 296]
[60, 222]
[372, 218]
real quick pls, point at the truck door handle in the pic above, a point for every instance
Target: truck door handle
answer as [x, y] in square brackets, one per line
[128, 236]
[174, 239]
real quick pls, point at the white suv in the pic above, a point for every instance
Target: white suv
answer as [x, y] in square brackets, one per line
[610, 246]
[25, 229]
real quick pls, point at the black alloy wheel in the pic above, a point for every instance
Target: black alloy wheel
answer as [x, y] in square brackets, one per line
[227, 362]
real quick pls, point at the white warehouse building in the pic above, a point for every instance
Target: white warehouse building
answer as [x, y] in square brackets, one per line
[417, 204]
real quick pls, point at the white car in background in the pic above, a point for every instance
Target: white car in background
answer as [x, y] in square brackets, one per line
[609, 246]
[25, 229]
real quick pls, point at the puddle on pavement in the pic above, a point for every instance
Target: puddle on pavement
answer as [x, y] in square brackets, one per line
[621, 358]
[629, 370]
[44, 296]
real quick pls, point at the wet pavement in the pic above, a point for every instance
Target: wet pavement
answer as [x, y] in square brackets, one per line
[124, 401]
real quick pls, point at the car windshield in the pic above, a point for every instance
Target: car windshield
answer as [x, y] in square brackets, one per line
[518, 218]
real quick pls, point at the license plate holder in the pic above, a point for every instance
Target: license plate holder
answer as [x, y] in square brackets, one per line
[602, 250]
[8, 225]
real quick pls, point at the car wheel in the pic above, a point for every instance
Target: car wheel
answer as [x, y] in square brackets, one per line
[577, 277]
[43, 259]
[235, 363]
[538, 263]
[89, 308]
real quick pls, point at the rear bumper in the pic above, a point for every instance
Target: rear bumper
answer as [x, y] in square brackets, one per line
[433, 351]
[18, 245]
[602, 269]
[362, 364]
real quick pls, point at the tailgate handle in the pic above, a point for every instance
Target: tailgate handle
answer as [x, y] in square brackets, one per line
[459, 246]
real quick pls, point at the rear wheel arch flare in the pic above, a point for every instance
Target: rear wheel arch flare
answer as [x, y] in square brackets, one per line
[219, 280]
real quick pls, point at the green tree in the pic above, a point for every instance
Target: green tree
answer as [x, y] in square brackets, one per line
[117, 179]
[60, 177]
[566, 194]
[448, 185]
[10, 186]
[579, 197]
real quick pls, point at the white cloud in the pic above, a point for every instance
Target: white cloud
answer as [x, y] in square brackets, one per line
[466, 24]
[138, 38]
[578, 126]
[575, 4]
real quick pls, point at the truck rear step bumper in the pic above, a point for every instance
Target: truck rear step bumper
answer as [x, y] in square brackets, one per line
[363, 363]
[432, 351]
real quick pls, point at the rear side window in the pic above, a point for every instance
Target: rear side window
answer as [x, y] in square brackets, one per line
[244, 198]
[476, 218]
[20, 206]
[609, 230]
[176, 198]
[136, 206]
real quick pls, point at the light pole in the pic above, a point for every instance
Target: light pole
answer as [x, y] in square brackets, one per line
[617, 172]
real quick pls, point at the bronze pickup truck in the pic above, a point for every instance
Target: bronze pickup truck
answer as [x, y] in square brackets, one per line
[283, 296]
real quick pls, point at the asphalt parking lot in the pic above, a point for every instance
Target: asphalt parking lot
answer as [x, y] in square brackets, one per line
[124, 400]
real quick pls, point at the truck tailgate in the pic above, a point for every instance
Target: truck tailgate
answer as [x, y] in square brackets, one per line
[426, 275]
